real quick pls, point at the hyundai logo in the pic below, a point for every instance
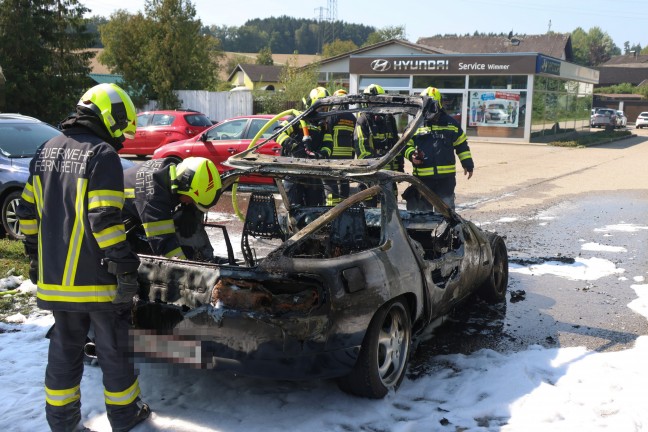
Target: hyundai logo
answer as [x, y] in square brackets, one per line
[380, 65]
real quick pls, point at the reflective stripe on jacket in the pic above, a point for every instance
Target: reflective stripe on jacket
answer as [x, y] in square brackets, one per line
[151, 201]
[375, 135]
[291, 139]
[341, 128]
[71, 207]
[439, 141]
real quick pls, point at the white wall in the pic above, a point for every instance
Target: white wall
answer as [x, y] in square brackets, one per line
[216, 105]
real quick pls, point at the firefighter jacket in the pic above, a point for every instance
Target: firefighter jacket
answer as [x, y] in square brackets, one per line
[151, 200]
[375, 135]
[70, 213]
[341, 128]
[439, 140]
[292, 140]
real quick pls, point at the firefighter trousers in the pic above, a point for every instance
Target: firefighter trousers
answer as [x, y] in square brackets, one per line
[65, 368]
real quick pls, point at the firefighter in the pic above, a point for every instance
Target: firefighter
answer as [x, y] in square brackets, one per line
[307, 139]
[376, 134]
[86, 273]
[164, 207]
[341, 128]
[432, 153]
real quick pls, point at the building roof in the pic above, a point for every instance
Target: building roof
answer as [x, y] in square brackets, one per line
[618, 96]
[106, 78]
[556, 45]
[258, 73]
[613, 75]
[627, 60]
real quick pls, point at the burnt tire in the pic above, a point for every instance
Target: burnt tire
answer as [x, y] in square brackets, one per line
[384, 354]
[10, 222]
[493, 289]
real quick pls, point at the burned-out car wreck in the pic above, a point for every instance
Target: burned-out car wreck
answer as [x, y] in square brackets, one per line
[325, 291]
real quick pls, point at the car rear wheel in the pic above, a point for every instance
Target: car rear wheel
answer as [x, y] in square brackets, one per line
[384, 354]
[493, 290]
[10, 221]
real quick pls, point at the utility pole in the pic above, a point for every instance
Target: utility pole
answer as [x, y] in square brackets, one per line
[320, 29]
[331, 18]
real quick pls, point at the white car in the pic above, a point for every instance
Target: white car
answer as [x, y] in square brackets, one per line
[642, 120]
[621, 119]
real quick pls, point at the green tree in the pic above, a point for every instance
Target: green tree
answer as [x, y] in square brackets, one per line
[42, 61]
[264, 57]
[385, 34]
[120, 36]
[593, 47]
[160, 52]
[338, 47]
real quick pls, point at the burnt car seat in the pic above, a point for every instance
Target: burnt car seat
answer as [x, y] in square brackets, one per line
[348, 232]
[261, 221]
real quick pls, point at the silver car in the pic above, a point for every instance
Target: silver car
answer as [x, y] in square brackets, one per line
[604, 118]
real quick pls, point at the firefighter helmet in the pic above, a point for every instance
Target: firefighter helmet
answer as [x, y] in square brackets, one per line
[316, 93]
[114, 107]
[432, 92]
[340, 92]
[198, 178]
[374, 89]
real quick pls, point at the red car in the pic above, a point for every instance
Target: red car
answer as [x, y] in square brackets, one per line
[156, 128]
[222, 140]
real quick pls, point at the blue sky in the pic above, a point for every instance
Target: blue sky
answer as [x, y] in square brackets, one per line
[623, 21]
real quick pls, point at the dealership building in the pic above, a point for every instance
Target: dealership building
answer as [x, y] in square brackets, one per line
[501, 96]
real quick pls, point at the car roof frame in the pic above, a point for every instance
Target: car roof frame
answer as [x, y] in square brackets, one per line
[418, 106]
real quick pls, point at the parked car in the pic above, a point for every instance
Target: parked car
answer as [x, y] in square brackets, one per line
[340, 291]
[642, 120]
[496, 113]
[20, 136]
[621, 119]
[156, 128]
[604, 118]
[218, 143]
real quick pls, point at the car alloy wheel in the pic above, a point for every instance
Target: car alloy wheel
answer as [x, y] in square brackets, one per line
[384, 354]
[493, 290]
[10, 221]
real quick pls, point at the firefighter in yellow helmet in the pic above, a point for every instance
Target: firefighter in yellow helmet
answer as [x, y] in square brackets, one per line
[341, 128]
[376, 134]
[432, 152]
[165, 204]
[306, 139]
[70, 213]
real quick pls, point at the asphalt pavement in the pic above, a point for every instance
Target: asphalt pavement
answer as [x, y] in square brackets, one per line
[548, 202]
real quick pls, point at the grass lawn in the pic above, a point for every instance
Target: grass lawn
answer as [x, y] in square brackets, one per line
[13, 260]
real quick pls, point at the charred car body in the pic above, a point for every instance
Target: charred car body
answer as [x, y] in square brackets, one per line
[322, 292]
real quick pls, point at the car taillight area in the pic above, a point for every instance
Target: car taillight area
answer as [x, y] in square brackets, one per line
[273, 298]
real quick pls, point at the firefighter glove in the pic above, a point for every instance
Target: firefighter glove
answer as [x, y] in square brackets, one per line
[127, 288]
[187, 220]
[417, 157]
[308, 143]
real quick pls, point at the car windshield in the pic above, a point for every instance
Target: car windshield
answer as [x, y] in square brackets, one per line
[22, 139]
